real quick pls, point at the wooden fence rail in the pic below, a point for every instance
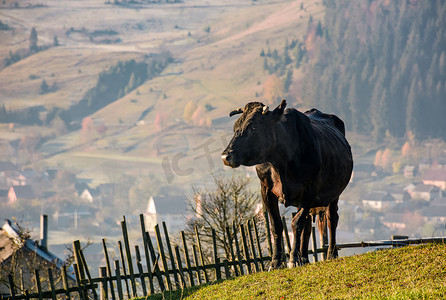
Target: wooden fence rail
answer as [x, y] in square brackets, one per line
[171, 268]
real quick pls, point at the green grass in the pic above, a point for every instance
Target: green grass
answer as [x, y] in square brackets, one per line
[405, 273]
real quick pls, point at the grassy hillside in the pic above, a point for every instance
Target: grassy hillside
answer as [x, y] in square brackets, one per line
[405, 273]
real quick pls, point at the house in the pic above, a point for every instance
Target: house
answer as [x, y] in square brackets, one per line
[394, 221]
[423, 192]
[434, 214]
[20, 192]
[409, 171]
[362, 171]
[169, 209]
[398, 192]
[379, 200]
[435, 176]
[16, 178]
[20, 256]
[6, 166]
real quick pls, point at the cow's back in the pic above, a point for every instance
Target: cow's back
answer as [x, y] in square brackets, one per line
[337, 161]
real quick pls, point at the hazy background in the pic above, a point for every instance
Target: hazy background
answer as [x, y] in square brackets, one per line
[105, 104]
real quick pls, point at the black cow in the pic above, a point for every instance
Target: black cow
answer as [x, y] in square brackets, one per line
[302, 160]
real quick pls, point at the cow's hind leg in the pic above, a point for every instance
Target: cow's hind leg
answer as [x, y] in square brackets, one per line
[322, 226]
[298, 224]
[333, 219]
[305, 239]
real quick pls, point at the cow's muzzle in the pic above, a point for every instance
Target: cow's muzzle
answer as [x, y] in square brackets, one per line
[229, 159]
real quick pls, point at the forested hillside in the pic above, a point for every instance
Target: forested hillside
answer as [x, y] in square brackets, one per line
[381, 66]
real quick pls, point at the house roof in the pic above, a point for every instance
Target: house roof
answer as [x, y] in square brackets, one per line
[434, 211]
[394, 218]
[435, 174]
[7, 166]
[424, 188]
[378, 196]
[23, 191]
[11, 241]
[169, 204]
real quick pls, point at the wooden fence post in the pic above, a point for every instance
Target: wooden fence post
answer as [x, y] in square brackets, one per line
[268, 234]
[156, 268]
[118, 280]
[251, 242]
[163, 257]
[231, 251]
[65, 282]
[140, 270]
[11, 286]
[172, 259]
[146, 253]
[109, 272]
[180, 266]
[206, 278]
[80, 290]
[39, 286]
[313, 236]
[245, 248]
[186, 255]
[104, 287]
[194, 249]
[287, 237]
[51, 280]
[237, 249]
[84, 263]
[259, 247]
[216, 260]
[76, 249]
[124, 270]
[129, 256]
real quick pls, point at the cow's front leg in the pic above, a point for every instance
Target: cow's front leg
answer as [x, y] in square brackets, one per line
[298, 224]
[271, 204]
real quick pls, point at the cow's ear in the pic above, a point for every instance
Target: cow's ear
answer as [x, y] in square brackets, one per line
[278, 111]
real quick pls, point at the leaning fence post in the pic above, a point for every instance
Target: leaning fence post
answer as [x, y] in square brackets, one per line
[65, 281]
[53, 288]
[180, 266]
[129, 256]
[140, 270]
[172, 260]
[109, 272]
[237, 249]
[231, 250]
[39, 286]
[76, 249]
[156, 268]
[163, 256]
[245, 248]
[287, 237]
[197, 267]
[78, 283]
[188, 265]
[259, 248]
[206, 278]
[84, 263]
[146, 253]
[251, 241]
[124, 271]
[11, 286]
[268, 234]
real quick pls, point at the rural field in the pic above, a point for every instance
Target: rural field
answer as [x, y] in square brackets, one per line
[219, 69]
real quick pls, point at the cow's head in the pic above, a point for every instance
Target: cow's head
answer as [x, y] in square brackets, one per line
[254, 136]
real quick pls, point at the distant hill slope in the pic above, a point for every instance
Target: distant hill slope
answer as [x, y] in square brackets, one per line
[406, 273]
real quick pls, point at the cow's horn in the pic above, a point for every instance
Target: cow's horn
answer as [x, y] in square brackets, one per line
[265, 109]
[235, 112]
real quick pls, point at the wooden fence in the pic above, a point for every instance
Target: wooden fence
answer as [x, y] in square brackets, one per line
[169, 268]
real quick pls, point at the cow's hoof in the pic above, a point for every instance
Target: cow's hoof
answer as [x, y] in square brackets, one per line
[292, 264]
[275, 265]
[305, 261]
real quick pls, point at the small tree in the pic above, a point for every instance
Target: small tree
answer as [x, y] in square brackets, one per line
[33, 40]
[229, 201]
[44, 88]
